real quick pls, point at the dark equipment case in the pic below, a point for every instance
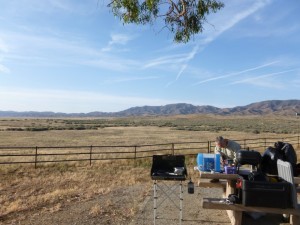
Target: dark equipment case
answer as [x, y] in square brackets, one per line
[248, 157]
[256, 190]
[267, 194]
[163, 167]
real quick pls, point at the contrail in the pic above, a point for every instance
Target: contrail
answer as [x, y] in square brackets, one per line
[263, 76]
[181, 71]
[187, 59]
[234, 74]
[211, 37]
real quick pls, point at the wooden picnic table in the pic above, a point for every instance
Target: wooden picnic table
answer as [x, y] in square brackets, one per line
[235, 211]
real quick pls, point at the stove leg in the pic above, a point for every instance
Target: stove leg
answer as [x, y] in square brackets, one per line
[155, 202]
[181, 200]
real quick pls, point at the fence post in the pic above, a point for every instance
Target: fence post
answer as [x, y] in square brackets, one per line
[91, 150]
[135, 156]
[35, 160]
[265, 143]
[173, 149]
[208, 147]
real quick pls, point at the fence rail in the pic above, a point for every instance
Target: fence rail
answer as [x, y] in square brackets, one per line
[57, 154]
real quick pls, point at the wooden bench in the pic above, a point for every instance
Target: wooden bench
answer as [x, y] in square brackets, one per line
[203, 181]
[208, 184]
[236, 210]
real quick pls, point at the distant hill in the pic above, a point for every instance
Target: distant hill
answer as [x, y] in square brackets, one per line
[274, 107]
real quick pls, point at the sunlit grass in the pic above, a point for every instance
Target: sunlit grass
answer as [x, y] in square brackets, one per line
[50, 186]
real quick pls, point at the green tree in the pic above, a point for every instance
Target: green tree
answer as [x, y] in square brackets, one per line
[184, 18]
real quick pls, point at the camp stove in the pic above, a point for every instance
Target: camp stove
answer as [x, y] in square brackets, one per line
[168, 173]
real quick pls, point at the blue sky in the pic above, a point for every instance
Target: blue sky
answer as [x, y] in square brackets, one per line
[75, 56]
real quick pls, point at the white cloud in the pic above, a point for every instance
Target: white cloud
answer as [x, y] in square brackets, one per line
[112, 63]
[4, 69]
[169, 59]
[279, 32]
[62, 5]
[69, 101]
[47, 6]
[129, 79]
[267, 83]
[3, 46]
[117, 39]
[120, 39]
[53, 50]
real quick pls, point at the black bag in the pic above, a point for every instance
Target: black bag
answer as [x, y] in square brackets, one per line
[256, 176]
[248, 157]
[281, 150]
[269, 160]
[287, 151]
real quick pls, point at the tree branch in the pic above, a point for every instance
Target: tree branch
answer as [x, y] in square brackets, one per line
[179, 13]
[183, 12]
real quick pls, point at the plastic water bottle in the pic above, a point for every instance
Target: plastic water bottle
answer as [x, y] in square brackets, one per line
[190, 187]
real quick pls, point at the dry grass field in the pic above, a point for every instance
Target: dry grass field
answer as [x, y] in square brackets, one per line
[27, 194]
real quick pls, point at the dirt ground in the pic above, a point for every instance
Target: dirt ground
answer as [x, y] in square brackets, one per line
[116, 208]
[168, 209]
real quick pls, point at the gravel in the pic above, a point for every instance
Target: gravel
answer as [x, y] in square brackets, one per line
[134, 206]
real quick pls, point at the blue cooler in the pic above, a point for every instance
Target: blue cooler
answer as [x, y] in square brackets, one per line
[209, 162]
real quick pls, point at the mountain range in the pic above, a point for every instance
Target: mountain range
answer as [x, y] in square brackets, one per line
[274, 107]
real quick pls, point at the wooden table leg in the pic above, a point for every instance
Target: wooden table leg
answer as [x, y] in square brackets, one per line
[234, 216]
[295, 220]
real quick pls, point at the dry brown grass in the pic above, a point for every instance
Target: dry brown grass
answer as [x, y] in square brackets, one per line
[118, 136]
[51, 187]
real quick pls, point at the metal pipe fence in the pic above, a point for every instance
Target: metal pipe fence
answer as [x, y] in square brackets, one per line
[56, 154]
